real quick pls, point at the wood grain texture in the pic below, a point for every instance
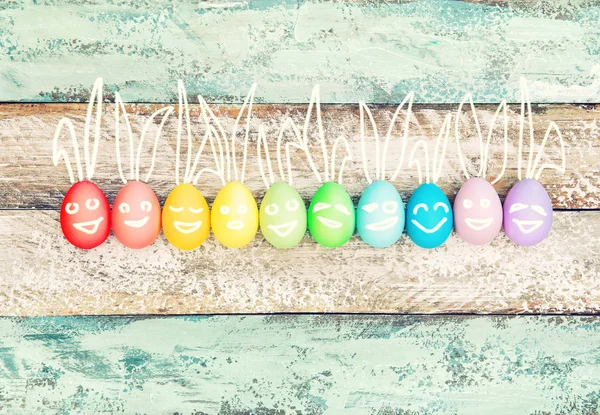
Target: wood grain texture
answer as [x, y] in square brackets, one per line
[42, 274]
[28, 178]
[309, 365]
[358, 50]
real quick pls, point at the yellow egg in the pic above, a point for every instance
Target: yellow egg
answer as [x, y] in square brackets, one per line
[186, 217]
[234, 217]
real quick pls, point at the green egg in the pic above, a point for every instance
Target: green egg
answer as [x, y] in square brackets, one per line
[331, 216]
[282, 216]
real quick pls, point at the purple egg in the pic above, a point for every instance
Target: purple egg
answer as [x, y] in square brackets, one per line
[527, 213]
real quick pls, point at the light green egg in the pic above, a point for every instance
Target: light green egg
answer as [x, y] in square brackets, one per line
[282, 216]
[331, 216]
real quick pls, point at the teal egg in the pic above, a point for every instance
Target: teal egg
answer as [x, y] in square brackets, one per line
[331, 216]
[380, 215]
[428, 216]
[282, 216]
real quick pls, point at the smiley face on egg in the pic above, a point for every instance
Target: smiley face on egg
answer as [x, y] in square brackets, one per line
[527, 213]
[477, 212]
[85, 215]
[186, 217]
[380, 215]
[428, 216]
[282, 216]
[331, 217]
[136, 215]
[234, 215]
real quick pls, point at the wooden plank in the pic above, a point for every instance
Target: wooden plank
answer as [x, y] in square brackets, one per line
[370, 50]
[44, 275]
[301, 364]
[29, 179]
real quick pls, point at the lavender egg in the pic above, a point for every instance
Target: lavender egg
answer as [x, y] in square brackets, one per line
[527, 213]
[477, 212]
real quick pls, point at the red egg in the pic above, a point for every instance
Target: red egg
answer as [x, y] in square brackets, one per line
[136, 216]
[85, 215]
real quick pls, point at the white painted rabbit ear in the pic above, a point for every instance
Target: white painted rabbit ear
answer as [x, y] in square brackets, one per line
[364, 109]
[162, 115]
[216, 133]
[59, 152]
[290, 125]
[94, 104]
[315, 102]
[247, 109]
[525, 113]
[562, 168]
[260, 143]
[502, 109]
[468, 98]
[183, 125]
[413, 161]
[439, 153]
[406, 106]
[346, 158]
[121, 116]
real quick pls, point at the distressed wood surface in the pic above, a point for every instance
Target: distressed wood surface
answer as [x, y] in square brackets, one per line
[42, 274]
[309, 365]
[28, 179]
[370, 50]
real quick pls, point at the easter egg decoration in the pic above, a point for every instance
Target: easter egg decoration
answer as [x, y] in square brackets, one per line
[136, 216]
[527, 207]
[477, 206]
[282, 211]
[234, 213]
[85, 212]
[185, 214]
[331, 215]
[380, 211]
[428, 211]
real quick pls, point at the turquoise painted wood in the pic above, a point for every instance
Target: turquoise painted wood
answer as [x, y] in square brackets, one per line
[331, 364]
[374, 51]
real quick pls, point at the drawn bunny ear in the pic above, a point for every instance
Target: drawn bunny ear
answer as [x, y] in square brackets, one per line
[439, 153]
[216, 133]
[90, 158]
[247, 109]
[562, 168]
[459, 115]
[364, 109]
[346, 158]
[183, 122]
[315, 102]
[406, 107]
[260, 143]
[290, 125]
[134, 161]
[502, 108]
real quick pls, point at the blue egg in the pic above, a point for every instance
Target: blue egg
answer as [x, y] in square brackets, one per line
[428, 216]
[380, 215]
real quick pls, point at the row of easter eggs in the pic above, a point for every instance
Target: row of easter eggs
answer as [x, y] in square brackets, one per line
[380, 217]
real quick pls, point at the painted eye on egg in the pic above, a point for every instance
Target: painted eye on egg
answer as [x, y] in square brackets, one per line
[199, 210]
[242, 209]
[420, 206]
[467, 203]
[390, 207]
[146, 206]
[343, 209]
[442, 205]
[539, 209]
[371, 207]
[72, 208]
[320, 206]
[174, 209]
[124, 208]
[485, 203]
[515, 207]
[224, 210]
[272, 209]
[292, 205]
[92, 204]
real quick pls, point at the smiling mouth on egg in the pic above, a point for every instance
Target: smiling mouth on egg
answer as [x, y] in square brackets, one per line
[187, 227]
[528, 226]
[137, 223]
[479, 224]
[90, 227]
[330, 223]
[284, 229]
[235, 225]
[430, 230]
[382, 225]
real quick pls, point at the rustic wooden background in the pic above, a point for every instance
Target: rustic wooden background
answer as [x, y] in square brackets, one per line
[377, 51]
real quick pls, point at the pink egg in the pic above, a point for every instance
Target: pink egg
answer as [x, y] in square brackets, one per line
[136, 216]
[477, 212]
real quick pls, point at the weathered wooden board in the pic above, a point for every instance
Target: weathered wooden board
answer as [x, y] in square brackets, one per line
[370, 50]
[309, 365]
[42, 274]
[28, 178]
